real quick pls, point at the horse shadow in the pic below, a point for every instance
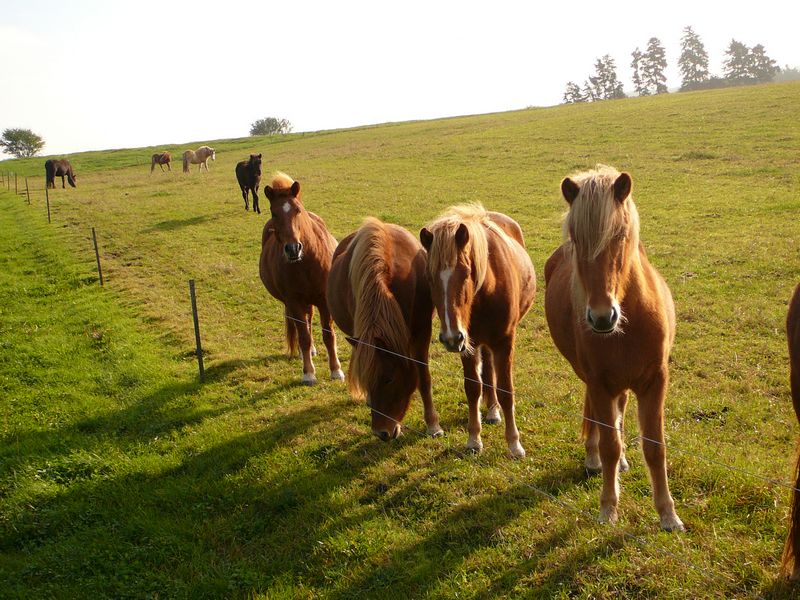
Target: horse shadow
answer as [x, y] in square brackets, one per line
[173, 224]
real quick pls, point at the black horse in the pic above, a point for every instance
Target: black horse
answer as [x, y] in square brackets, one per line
[61, 168]
[248, 172]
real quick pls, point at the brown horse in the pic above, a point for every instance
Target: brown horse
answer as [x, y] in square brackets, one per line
[791, 552]
[58, 168]
[379, 296]
[161, 159]
[248, 174]
[611, 315]
[483, 283]
[198, 157]
[296, 253]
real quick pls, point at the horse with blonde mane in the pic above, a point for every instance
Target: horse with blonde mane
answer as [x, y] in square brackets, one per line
[611, 315]
[379, 296]
[790, 564]
[483, 283]
[296, 253]
[198, 157]
[161, 159]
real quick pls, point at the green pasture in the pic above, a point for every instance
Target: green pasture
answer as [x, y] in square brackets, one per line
[121, 475]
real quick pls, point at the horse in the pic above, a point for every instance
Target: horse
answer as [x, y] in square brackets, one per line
[198, 157]
[296, 254]
[790, 564]
[160, 159]
[58, 168]
[248, 173]
[482, 284]
[611, 315]
[379, 295]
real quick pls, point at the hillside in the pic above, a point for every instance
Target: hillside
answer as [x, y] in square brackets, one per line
[121, 475]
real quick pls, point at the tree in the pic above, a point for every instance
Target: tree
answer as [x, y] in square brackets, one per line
[762, 67]
[573, 94]
[737, 64]
[605, 85]
[636, 65]
[693, 62]
[654, 61]
[270, 126]
[22, 143]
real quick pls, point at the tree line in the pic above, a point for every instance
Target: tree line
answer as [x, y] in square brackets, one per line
[742, 66]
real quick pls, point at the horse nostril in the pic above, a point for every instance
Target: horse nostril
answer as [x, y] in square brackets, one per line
[460, 337]
[383, 435]
[299, 246]
[441, 338]
[614, 315]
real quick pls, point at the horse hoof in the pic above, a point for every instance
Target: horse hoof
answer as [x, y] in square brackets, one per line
[608, 515]
[516, 451]
[593, 467]
[672, 523]
[475, 446]
[493, 416]
[313, 351]
[624, 467]
[337, 375]
[435, 431]
[308, 379]
[592, 472]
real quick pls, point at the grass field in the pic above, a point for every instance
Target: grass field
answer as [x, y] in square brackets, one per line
[122, 476]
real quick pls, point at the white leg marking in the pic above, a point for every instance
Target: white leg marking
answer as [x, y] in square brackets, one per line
[337, 375]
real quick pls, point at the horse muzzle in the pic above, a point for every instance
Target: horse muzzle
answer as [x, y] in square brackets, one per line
[603, 322]
[293, 252]
[453, 342]
[385, 436]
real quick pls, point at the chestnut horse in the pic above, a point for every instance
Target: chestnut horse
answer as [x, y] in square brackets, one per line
[296, 253]
[791, 552]
[379, 296]
[58, 168]
[483, 283]
[160, 159]
[611, 315]
[248, 174]
[198, 157]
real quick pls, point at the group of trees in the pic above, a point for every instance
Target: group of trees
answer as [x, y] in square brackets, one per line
[742, 66]
[270, 126]
[22, 143]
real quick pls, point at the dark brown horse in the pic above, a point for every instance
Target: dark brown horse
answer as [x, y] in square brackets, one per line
[791, 552]
[611, 315]
[379, 296]
[58, 168]
[296, 253]
[483, 283]
[161, 159]
[248, 174]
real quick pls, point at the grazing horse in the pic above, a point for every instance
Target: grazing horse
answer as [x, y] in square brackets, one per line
[161, 159]
[611, 315]
[482, 282]
[248, 173]
[296, 253]
[198, 157]
[379, 295]
[58, 168]
[791, 552]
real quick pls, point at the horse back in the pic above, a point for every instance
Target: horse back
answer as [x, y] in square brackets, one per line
[508, 225]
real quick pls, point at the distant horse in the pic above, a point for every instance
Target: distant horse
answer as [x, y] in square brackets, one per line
[611, 315]
[483, 283]
[58, 168]
[248, 173]
[161, 159]
[791, 552]
[379, 295]
[198, 157]
[296, 253]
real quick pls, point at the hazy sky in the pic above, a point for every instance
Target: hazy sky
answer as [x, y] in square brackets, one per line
[89, 75]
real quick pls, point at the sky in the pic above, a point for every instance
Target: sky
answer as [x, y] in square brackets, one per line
[94, 75]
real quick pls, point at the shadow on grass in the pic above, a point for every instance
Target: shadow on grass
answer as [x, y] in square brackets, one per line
[174, 224]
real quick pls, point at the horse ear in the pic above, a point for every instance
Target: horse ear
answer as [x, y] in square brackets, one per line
[462, 235]
[269, 193]
[259, 155]
[570, 190]
[295, 189]
[426, 237]
[622, 187]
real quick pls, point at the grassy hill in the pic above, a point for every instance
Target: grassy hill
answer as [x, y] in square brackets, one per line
[121, 475]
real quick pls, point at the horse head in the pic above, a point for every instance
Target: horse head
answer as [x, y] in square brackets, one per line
[603, 226]
[288, 216]
[255, 164]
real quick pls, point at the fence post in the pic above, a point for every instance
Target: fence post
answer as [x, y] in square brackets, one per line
[97, 256]
[16, 191]
[199, 348]
[27, 191]
[47, 197]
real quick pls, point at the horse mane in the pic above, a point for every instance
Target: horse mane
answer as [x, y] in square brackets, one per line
[281, 181]
[443, 252]
[377, 317]
[593, 218]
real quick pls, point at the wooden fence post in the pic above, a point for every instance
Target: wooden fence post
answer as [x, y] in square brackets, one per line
[97, 256]
[47, 197]
[27, 191]
[16, 191]
[199, 348]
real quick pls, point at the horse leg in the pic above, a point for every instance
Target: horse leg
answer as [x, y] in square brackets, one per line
[604, 409]
[309, 317]
[472, 387]
[651, 424]
[489, 387]
[152, 167]
[244, 195]
[591, 436]
[420, 347]
[329, 339]
[299, 315]
[503, 356]
[256, 208]
[62, 182]
[622, 403]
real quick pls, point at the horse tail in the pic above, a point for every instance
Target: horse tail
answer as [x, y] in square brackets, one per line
[291, 336]
[791, 551]
[185, 163]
